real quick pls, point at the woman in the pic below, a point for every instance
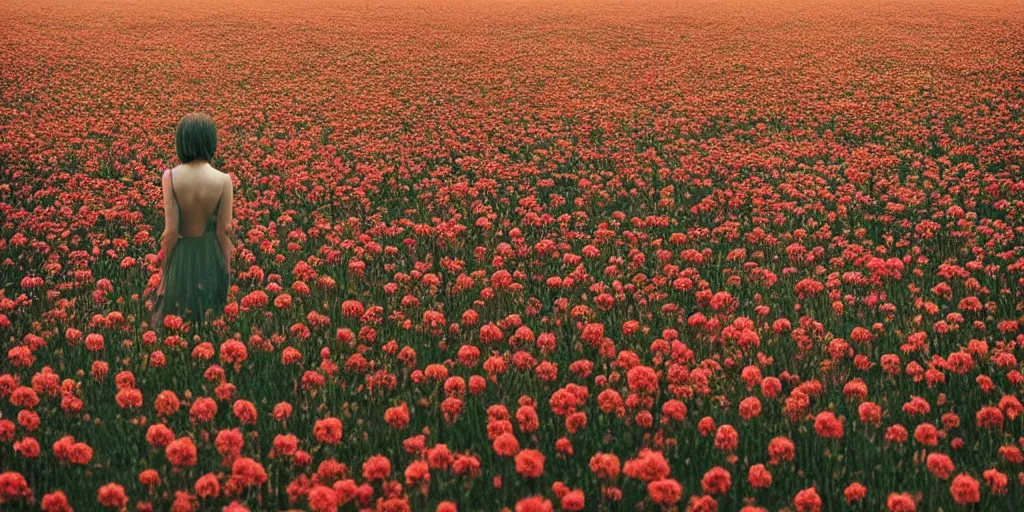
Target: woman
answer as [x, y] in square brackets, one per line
[197, 218]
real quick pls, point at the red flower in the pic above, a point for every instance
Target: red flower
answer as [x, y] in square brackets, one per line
[181, 452]
[328, 430]
[27, 447]
[13, 487]
[771, 387]
[896, 434]
[203, 409]
[649, 465]
[926, 434]
[245, 411]
[352, 308]
[706, 426]
[323, 499]
[530, 463]
[716, 481]
[965, 489]
[80, 454]
[996, 481]
[229, 442]
[246, 472]
[451, 407]
[24, 397]
[727, 439]
[534, 504]
[807, 500]
[702, 504]
[397, 417]
[750, 408]
[149, 478]
[605, 466]
[235, 506]
[394, 505]
[780, 449]
[642, 379]
[870, 413]
[166, 403]
[377, 467]
[345, 490]
[1011, 454]
[673, 410]
[285, 445]
[855, 492]
[828, 426]
[940, 465]
[233, 352]
[94, 342]
[665, 492]
[330, 470]
[207, 486]
[439, 457]
[506, 445]
[282, 411]
[989, 418]
[129, 398]
[112, 496]
[759, 476]
[573, 501]
[55, 501]
[901, 503]
[527, 418]
[417, 472]
[7, 428]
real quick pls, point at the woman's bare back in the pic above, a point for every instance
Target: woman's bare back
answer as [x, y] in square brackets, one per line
[199, 190]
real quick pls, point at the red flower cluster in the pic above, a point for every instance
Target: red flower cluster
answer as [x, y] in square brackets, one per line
[524, 256]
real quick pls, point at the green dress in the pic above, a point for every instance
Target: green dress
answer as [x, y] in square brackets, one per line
[196, 278]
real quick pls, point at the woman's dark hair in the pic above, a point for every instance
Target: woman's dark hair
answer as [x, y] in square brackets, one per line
[195, 138]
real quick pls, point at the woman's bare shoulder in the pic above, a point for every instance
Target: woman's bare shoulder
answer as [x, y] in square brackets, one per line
[224, 177]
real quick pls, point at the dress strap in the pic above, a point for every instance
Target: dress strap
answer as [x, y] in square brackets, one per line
[174, 194]
[170, 175]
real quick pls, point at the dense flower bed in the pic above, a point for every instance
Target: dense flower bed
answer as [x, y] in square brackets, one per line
[566, 255]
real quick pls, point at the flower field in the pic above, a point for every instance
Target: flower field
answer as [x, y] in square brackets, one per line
[520, 255]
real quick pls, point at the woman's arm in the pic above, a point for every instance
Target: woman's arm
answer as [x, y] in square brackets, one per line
[227, 248]
[170, 238]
